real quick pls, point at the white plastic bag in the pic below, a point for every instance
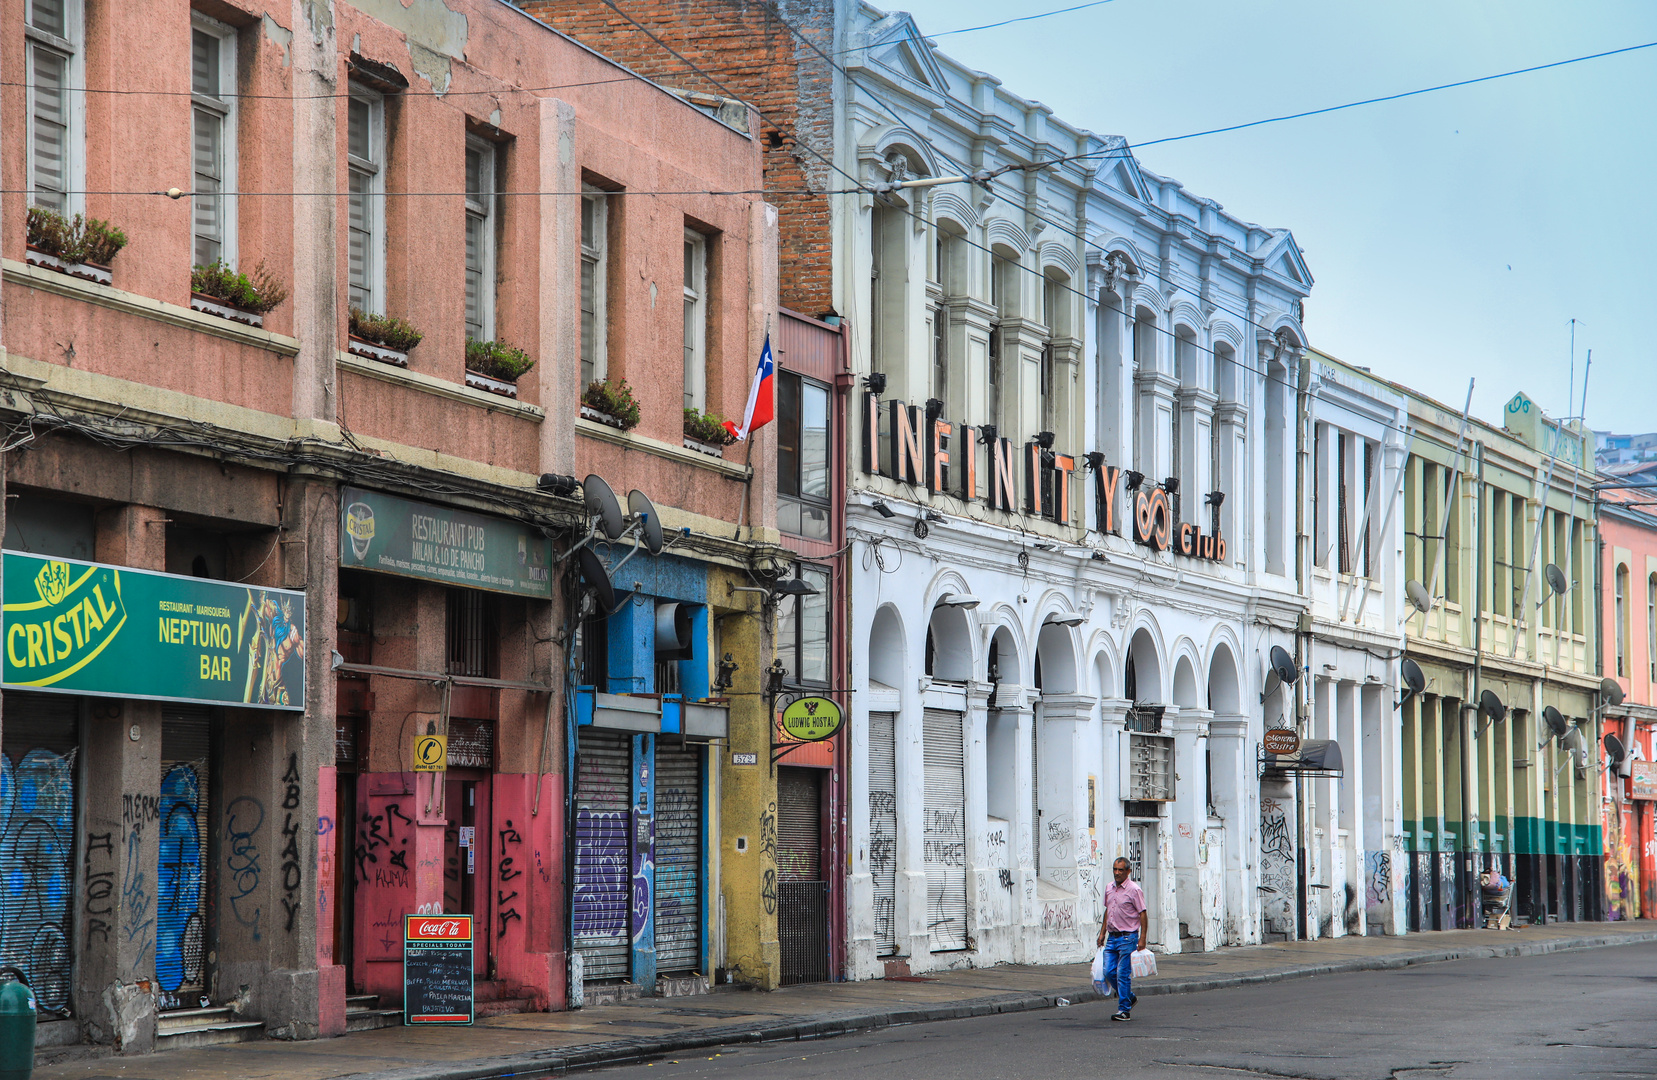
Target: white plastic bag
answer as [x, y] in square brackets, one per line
[1144, 963]
[1099, 966]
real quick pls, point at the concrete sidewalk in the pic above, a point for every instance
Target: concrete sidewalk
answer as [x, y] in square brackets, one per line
[539, 1043]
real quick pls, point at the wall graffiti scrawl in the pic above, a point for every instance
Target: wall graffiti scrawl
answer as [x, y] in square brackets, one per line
[37, 822]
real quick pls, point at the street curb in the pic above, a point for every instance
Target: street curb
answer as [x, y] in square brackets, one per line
[630, 1051]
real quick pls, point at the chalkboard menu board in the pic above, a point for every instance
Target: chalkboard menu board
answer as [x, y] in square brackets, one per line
[437, 969]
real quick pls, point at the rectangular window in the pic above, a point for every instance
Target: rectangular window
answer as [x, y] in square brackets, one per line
[803, 629]
[696, 320]
[940, 352]
[1651, 626]
[473, 633]
[802, 456]
[52, 30]
[213, 140]
[595, 207]
[480, 240]
[1343, 507]
[1621, 615]
[365, 158]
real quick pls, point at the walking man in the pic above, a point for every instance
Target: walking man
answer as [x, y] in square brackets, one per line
[1122, 933]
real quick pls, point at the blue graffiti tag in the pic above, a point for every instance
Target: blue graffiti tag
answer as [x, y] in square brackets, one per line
[37, 811]
[179, 881]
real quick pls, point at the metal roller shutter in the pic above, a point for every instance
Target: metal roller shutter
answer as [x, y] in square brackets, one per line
[945, 830]
[678, 858]
[883, 829]
[37, 847]
[1035, 790]
[603, 853]
[802, 894]
[181, 870]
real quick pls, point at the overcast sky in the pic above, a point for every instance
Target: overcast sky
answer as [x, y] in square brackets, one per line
[1452, 235]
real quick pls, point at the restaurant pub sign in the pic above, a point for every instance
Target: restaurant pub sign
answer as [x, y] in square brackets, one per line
[928, 451]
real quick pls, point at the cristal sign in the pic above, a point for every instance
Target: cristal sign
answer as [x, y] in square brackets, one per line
[811, 719]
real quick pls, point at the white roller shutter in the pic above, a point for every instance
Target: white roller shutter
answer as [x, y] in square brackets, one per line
[603, 853]
[945, 830]
[883, 829]
[678, 858]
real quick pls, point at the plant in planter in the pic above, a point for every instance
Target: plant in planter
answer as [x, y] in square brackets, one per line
[495, 366]
[80, 246]
[382, 337]
[614, 400]
[219, 290]
[707, 429]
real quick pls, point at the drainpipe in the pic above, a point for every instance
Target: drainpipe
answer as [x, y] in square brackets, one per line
[1303, 631]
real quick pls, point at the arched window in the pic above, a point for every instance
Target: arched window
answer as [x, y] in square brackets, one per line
[1144, 409]
[1055, 314]
[1004, 298]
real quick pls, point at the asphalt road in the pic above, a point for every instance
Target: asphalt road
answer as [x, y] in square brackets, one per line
[1576, 1015]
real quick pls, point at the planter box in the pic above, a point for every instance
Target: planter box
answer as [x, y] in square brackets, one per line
[213, 306]
[85, 271]
[356, 346]
[494, 386]
[706, 448]
[590, 413]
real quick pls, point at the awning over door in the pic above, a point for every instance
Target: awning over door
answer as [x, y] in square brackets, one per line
[1319, 757]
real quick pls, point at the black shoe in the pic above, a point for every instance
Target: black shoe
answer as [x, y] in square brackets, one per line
[1121, 1014]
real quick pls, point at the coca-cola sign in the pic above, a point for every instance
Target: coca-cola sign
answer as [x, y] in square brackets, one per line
[439, 928]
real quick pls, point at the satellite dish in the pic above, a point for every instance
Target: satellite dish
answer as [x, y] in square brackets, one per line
[1555, 723]
[598, 578]
[1272, 683]
[1611, 690]
[673, 632]
[1556, 579]
[1614, 748]
[1413, 678]
[1572, 740]
[602, 505]
[650, 523]
[1420, 599]
[1283, 665]
[1492, 706]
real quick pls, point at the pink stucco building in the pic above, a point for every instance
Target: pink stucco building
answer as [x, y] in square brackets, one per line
[1629, 606]
[216, 861]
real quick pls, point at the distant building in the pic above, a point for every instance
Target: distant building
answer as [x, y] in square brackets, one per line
[1610, 449]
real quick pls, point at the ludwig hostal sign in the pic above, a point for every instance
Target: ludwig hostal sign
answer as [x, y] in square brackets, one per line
[811, 719]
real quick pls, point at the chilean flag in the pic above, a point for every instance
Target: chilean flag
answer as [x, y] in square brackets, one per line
[761, 396]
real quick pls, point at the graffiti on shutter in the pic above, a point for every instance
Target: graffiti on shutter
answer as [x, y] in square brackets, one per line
[602, 853]
[883, 829]
[37, 850]
[944, 831]
[678, 858]
[181, 869]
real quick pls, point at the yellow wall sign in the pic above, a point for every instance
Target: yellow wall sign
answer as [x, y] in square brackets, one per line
[431, 753]
[811, 719]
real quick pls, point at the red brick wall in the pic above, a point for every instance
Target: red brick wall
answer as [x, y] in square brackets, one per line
[743, 50]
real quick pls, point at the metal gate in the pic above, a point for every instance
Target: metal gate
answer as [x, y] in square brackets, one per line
[181, 869]
[1035, 790]
[883, 829]
[37, 848]
[678, 858]
[802, 894]
[945, 828]
[603, 854]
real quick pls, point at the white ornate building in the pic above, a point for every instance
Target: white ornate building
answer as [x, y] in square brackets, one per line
[1073, 520]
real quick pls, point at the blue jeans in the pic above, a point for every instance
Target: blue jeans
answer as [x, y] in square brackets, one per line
[1119, 950]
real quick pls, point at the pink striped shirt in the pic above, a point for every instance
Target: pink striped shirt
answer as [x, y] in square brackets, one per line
[1123, 905]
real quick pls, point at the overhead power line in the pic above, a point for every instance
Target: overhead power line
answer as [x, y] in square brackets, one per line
[1020, 19]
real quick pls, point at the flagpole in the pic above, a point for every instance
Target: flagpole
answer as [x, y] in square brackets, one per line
[748, 456]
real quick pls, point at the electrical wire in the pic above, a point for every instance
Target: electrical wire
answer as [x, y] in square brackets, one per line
[1020, 19]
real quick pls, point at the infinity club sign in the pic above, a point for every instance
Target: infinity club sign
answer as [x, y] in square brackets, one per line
[925, 452]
